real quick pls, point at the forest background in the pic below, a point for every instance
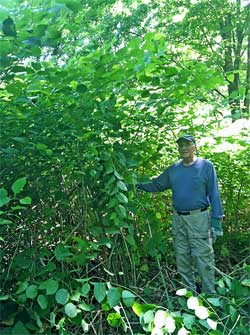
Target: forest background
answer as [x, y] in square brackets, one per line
[93, 97]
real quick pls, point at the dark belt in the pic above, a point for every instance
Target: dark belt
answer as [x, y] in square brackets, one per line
[192, 212]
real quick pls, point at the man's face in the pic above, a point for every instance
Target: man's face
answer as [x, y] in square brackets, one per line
[186, 149]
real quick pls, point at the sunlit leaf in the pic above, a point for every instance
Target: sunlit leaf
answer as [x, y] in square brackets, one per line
[62, 296]
[18, 185]
[201, 312]
[71, 310]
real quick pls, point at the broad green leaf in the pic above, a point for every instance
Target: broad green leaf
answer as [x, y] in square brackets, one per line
[4, 199]
[50, 285]
[62, 252]
[188, 320]
[18, 185]
[3, 193]
[85, 290]
[5, 222]
[128, 298]
[31, 291]
[25, 201]
[142, 308]
[122, 186]
[122, 198]
[62, 296]
[148, 316]
[246, 282]
[42, 301]
[22, 287]
[118, 176]
[122, 210]
[113, 296]
[214, 301]
[86, 307]
[99, 291]
[71, 310]
[20, 328]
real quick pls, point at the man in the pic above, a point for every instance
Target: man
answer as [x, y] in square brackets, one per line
[194, 186]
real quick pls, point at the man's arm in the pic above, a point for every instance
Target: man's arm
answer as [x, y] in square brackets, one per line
[215, 201]
[158, 184]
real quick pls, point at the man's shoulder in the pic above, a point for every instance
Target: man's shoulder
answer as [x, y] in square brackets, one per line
[175, 164]
[204, 161]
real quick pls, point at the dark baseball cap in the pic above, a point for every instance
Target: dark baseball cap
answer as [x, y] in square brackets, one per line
[189, 138]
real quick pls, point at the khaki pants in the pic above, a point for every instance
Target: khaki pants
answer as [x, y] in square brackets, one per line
[193, 249]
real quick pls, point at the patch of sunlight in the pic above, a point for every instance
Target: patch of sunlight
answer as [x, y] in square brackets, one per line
[179, 17]
[243, 3]
[234, 128]
[119, 8]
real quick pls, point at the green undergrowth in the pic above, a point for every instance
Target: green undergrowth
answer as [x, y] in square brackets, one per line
[50, 303]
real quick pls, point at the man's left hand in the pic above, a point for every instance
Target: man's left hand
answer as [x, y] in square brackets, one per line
[216, 225]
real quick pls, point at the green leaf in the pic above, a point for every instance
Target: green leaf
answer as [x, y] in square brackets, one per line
[5, 222]
[85, 290]
[122, 198]
[114, 319]
[246, 282]
[113, 296]
[31, 291]
[86, 307]
[61, 252]
[142, 308]
[81, 88]
[122, 210]
[118, 176]
[99, 291]
[128, 298]
[62, 296]
[122, 186]
[4, 297]
[20, 329]
[4, 199]
[25, 201]
[50, 285]
[42, 301]
[214, 301]
[23, 286]
[18, 185]
[85, 326]
[3, 193]
[188, 320]
[71, 310]
[148, 316]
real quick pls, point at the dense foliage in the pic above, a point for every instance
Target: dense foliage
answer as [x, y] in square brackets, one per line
[93, 97]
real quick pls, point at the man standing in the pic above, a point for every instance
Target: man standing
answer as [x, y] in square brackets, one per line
[194, 186]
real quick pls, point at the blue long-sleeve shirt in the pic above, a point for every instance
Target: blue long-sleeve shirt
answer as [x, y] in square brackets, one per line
[193, 187]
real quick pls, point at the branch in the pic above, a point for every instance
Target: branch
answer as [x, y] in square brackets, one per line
[221, 94]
